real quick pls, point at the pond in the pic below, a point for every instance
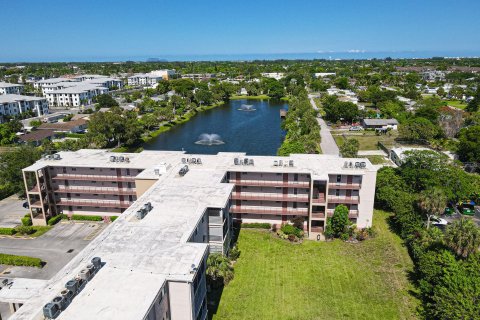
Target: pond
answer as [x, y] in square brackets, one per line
[251, 126]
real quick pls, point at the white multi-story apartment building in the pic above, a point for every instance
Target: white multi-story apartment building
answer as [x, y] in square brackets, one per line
[151, 78]
[78, 90]
[14, 104]
[10, 88]
[174, 209]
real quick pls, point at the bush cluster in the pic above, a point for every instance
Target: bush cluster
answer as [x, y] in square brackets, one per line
[290, 232]
[27, 220]
[14, 260]
[7, 231]
[25, 230]
[257, 225]
[86, 218]
[54, 220]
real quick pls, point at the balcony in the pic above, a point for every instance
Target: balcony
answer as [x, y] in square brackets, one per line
[344, 186]
[269, 197]
[215, 238]
[318, 198]
[34, 190]
[269, 210]
[36, 204]
[87, 190]
[345, 200]
[318, 215]
[95, 203]
[278, 183]
[352, 214]
[92, 177]
[316, 229]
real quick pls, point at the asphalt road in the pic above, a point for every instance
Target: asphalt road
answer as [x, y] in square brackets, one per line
[328, 144]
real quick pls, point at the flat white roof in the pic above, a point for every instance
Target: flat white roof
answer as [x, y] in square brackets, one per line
[9, 98]
[9, 85]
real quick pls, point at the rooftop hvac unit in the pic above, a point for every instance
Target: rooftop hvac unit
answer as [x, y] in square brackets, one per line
[199, 161]
[84, 274]
[45, 156]
[97, 262]
[350, 165]
[236, 161]
[275, 163]
[363, 164]
[61, 302]
[156, 172]
[50, 310]
[290, 163]
[140, 214]
[149, 206]
[113, 158]
[245, 161]
[345, 165]
[91, 269]
[280, 163]
[49, 157]
[121, 159]
[56, 156]
[183, 171]
[357, 164]
[66, 294]
[250, 162]
[193, 160]
[184, 160]
[72, 285]
[127, 159]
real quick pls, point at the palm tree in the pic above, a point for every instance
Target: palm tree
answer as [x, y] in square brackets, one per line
[219, 269]
[432, 202]
[463, 237]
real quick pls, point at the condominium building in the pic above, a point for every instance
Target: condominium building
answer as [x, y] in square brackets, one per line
[151, 78]
[174, 210]
[10, 88]
[77, 90]
[14, 105]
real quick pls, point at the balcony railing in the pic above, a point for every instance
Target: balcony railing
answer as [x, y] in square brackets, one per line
[278, 183]
[347, 200]
[269, 197]
[92, 177]
[344, 186]
[215, 238]
[316, 229]
[320, 215]
[351, 213]
[269, 210]
[87, 190]
[318, 198]
[95, 203]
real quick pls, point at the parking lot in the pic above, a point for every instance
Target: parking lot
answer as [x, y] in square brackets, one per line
[456, 216]
[11, 211]
[56, 247]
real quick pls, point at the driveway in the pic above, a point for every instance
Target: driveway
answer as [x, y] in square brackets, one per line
[11, 211]
[328, 144]
[56, 247]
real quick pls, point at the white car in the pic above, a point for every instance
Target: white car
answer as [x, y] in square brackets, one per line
[436, 221]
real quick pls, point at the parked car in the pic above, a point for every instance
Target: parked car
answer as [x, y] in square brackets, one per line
[355, 128]
[25, 205]
[436, 221]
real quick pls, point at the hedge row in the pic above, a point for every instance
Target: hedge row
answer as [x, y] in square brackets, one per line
[257, 225]
[86, 218]
[113, 218]
[7, 231]
[54, 220]
[14, 260]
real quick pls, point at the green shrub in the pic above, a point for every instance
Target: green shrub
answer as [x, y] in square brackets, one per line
[113, 218]
[27, 221]
[86, 218]
[14, 260]
[288, 229]
[25, 230]
[234, 253]
[7, 231]
[257, 225]
[54, 220]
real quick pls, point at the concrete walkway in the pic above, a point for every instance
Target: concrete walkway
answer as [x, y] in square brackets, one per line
[328, 144]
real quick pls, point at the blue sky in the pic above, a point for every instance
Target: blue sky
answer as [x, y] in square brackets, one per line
[85, 29]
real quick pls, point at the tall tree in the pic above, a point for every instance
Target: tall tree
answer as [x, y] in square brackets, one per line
[463, 237]
[349, 149]
[432, 202]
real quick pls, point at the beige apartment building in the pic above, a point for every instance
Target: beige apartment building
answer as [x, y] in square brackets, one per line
[174, 210]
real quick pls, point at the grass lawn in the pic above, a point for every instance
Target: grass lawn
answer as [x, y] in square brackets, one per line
[367, 139]
[376, 159]
[259, 97]
[275, 279]
[457, 104]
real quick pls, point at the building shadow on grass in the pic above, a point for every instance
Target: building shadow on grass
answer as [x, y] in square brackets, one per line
[213, 299]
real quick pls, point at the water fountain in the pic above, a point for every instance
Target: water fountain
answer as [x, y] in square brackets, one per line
[209, 139]
[247, 107]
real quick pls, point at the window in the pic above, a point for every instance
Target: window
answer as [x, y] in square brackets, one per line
[339, 178]
[337, 193]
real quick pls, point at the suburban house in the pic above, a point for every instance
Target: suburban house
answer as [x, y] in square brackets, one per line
[73, 126]
[36, 137]
[380, 124]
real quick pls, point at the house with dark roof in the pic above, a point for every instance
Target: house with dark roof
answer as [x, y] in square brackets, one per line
[380, 124]
[73, 126]
[37, 136]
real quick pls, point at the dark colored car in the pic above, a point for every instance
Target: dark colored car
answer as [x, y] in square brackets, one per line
[25, 205]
